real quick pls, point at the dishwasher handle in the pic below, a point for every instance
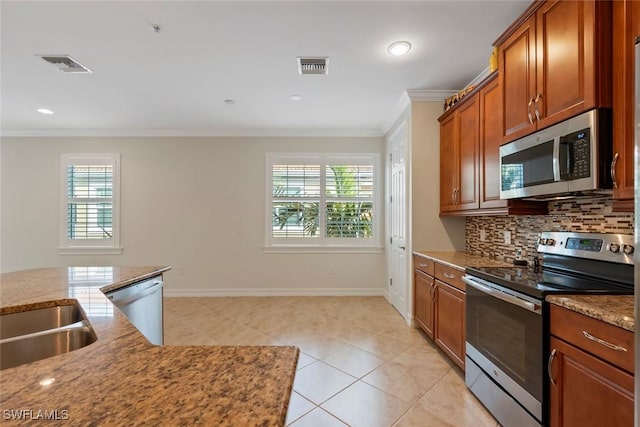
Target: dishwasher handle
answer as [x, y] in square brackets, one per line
[130, 296]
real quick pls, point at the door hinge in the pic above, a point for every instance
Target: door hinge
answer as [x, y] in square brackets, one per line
[390, 282]
[390, 199]
[390, 240]
[391, 157]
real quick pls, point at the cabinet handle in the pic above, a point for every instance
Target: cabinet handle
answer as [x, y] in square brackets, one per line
[613, 170]
[549, 365]
[423, 265]
[538, 98]
[453, 194]
[615, 347]
[433, 293]
[529, 111]
[449, 275]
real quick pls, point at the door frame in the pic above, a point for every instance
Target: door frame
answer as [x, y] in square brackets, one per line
[403, 124]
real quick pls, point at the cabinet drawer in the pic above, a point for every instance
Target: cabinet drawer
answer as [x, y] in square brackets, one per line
[423, 264]
[450, 275]
[583, 332]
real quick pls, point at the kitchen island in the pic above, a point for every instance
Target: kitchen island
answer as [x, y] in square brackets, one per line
[122, 378]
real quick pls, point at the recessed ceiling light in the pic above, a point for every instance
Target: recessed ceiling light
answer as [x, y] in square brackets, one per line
[44, 111]
[295, 97]
[230, 102]
[399, 48]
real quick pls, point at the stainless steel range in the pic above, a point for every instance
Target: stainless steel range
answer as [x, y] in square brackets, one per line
[507, 317]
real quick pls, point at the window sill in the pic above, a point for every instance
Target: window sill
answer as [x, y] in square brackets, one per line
[89, 250]
[300, 249]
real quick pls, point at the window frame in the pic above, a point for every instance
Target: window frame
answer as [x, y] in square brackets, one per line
[107, 246]
[323, 243]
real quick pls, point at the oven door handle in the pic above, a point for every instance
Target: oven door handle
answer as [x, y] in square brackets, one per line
[511, 299]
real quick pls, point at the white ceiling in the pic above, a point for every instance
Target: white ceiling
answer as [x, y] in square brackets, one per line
[176, 81]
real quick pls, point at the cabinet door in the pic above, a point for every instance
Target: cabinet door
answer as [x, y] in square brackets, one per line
[517, 81]
[449, 333]
[449, 177]
[466, 194]
[626, 26]
[566, 71]
[588, 391]
[490, 137]
[423, 302]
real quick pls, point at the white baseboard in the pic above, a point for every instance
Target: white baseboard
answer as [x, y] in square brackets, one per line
[303, 292]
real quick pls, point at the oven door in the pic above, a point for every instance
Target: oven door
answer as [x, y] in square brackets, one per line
[505, 339]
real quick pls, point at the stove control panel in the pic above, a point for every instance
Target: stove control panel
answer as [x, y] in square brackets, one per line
[604, 247]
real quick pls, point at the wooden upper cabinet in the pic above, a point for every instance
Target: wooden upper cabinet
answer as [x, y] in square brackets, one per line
[466, 195]
[517, 65]
[626, 26]
[555, 64]
[490, 104]
[459, 157]
[470, 137]
[449, 169]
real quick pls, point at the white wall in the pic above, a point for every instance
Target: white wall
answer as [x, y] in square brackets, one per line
[196, 204]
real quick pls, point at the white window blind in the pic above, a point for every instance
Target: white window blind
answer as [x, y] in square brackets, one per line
[90, 203]
[322, 200]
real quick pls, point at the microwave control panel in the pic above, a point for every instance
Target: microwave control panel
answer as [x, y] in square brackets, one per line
[577, 154]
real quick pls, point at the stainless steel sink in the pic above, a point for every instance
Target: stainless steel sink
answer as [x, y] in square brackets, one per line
[28, 322]
[38, 334]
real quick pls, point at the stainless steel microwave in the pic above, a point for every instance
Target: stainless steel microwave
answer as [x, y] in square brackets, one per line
[571, 158]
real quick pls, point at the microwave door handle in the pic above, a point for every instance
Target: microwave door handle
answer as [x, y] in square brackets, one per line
[556, 159]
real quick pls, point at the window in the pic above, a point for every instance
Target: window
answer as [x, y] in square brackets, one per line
[322, 200]
[90, 188]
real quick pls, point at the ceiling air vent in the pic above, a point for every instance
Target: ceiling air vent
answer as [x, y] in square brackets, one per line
[66, 63]
[313, 65]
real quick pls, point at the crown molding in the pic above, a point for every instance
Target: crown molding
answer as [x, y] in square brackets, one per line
[352, 133]
[480, 77]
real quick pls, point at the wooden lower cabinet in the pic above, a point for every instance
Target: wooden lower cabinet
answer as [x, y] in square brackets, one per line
[591, 366]
[423, 301]
[588, 391]
[439, 306]
[449, 327]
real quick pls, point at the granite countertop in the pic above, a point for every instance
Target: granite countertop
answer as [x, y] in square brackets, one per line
[123, 379]
[462, 260]
[617, 310]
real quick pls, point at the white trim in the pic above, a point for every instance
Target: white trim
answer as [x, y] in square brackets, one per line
[275, 292]
[403, 103]
[297, 249]
[192, 132]
[429, 95]
[480, 77]
[89, 250]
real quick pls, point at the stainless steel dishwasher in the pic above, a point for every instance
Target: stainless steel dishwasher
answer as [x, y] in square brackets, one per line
[142, 304]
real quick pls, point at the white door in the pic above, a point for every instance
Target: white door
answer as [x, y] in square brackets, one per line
[398, 284]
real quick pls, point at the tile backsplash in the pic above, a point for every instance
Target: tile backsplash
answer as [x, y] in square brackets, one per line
[591, 215]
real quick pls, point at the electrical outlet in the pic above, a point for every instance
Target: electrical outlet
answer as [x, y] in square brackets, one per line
[483, 235]
[507, 237]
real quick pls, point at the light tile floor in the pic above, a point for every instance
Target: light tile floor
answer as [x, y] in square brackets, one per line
[360, 364]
